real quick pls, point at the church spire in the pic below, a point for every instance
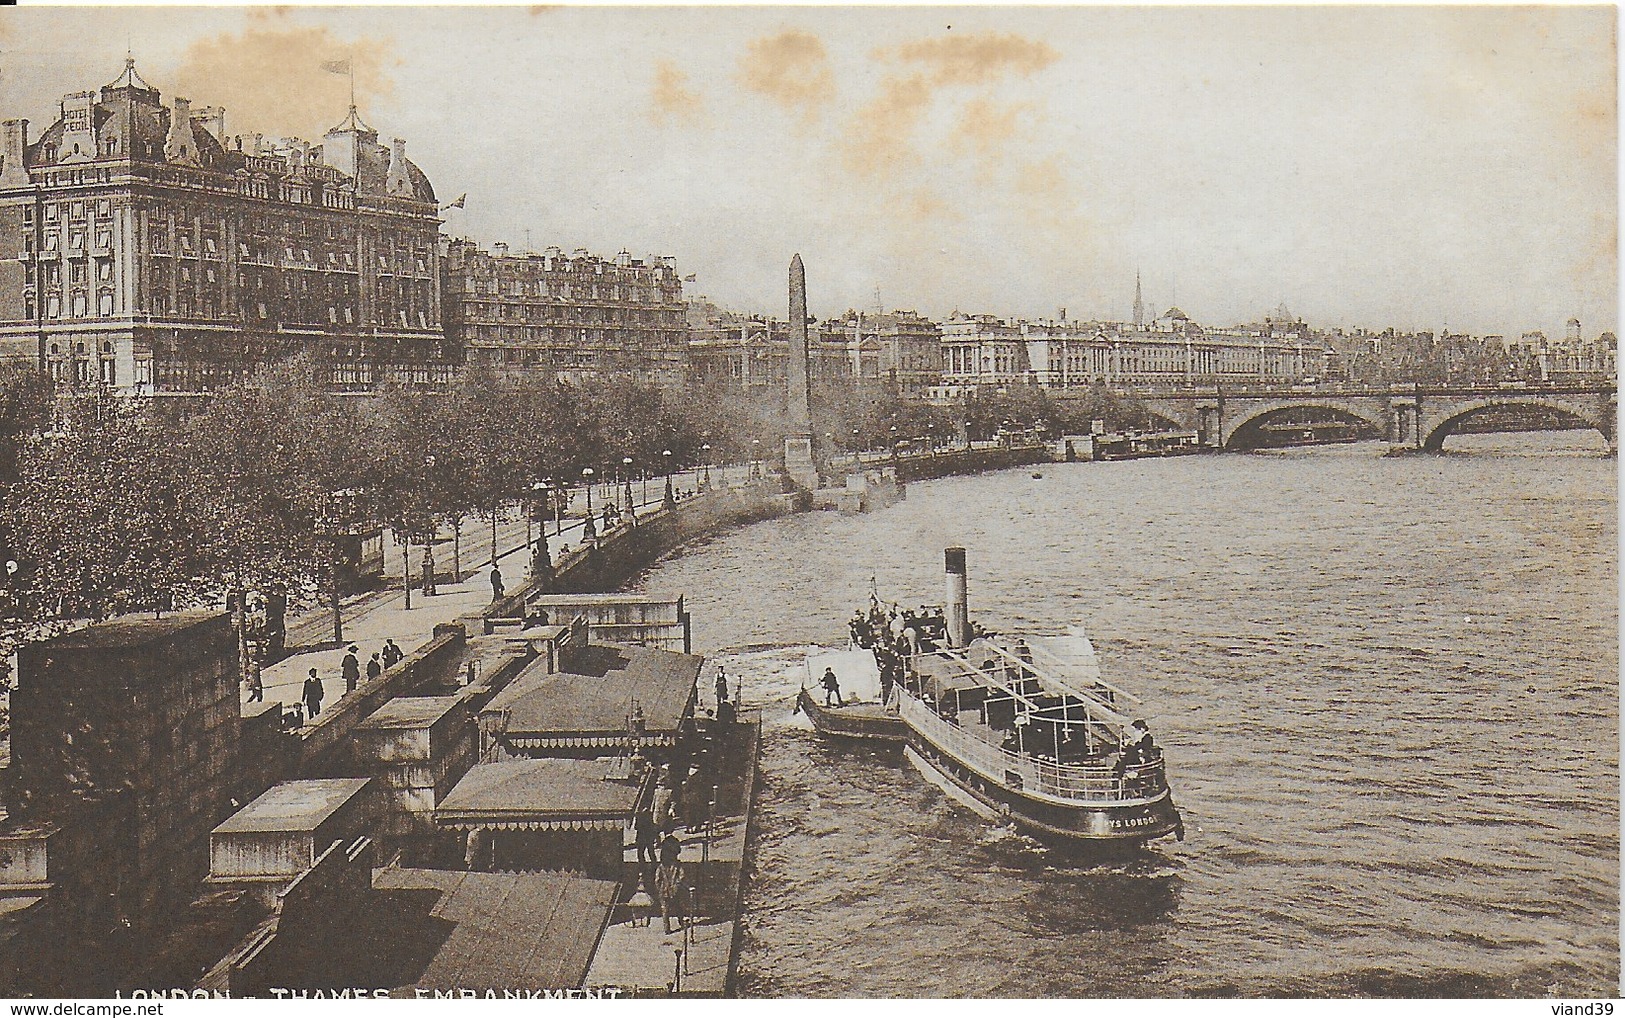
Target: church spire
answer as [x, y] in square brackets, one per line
[1139, 302]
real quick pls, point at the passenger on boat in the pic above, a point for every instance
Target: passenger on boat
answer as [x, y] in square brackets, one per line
[832, 688]
[859, 628]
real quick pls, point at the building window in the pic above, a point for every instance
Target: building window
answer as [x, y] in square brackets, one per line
[109, 372]
[106, 308]
[53, 307]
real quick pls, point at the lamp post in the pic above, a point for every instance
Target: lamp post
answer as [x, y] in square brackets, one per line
[541, 500]
[705, 460]
[670, 498]
[755, 458]
[626, 478]
[338, 505]
[586, 479]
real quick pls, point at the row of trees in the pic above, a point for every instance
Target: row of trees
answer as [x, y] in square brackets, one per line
[113, 504]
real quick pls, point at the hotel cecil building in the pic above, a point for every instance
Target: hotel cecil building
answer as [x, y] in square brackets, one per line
[143, 247]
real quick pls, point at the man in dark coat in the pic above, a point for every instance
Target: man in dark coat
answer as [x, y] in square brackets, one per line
[391, 654]
[669, 881]
[496, 584]
[832, 688]
[350, 668]
[375, 666]
[312, 695]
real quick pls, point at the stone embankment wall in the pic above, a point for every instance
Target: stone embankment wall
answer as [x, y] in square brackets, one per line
[627, 550]
[968, 461]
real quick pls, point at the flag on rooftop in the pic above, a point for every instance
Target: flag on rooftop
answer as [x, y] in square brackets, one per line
[691, 277]
[336, 66]
[461, 202]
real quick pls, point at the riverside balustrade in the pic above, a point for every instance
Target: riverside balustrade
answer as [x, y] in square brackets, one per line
[1067, 781]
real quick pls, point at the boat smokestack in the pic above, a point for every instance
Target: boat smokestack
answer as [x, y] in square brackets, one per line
[958, 605]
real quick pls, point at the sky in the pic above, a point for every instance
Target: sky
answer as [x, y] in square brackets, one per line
[1414, 167]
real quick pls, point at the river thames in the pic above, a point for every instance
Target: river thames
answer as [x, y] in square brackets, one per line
[1387, 689]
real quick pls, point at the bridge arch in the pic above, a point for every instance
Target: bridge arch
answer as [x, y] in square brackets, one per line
[1372, 416]
[1600, 416]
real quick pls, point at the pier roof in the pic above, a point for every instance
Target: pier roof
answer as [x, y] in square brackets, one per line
[294, 806]
[550, 793]
[596, 692]
[501, 931]
[411, 712]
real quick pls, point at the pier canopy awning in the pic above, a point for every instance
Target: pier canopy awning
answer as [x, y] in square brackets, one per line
[552, 794]
[496, 932]
[593, 693]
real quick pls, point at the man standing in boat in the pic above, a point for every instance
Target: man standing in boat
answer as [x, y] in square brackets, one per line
[832, 687]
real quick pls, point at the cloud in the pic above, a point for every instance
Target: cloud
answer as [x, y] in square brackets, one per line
[792, 69]
[977, 58]
[270, 76]
[879, 141]
[672, 99]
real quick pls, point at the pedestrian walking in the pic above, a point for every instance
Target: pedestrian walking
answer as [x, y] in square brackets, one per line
[350, 668]
[669, 881]
[647, 834]
[428, 572]
[313, 694]
[256, 684]
[496, 583]
[391, 654]
[722, 688]
[375, 666]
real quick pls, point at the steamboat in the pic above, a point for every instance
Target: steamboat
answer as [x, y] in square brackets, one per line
[1019, 729]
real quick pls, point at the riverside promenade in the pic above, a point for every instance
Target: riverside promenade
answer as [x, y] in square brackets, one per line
[373, 616]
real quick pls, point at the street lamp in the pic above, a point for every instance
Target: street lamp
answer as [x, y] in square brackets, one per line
[626, 478]
[586, 478]
[755, 458]
[705, 459]
[670, 499]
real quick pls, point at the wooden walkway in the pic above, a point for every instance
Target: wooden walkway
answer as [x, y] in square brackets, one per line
[697, 960]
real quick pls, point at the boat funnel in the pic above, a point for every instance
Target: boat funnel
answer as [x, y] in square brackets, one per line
[958, 605]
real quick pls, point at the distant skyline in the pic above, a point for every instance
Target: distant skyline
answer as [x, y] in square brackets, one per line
[1366, 166]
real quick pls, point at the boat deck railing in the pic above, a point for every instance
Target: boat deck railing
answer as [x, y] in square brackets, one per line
[1028, 773]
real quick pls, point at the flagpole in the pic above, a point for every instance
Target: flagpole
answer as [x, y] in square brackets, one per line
[350, 62]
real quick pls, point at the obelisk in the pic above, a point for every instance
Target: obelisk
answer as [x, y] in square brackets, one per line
[798, 459]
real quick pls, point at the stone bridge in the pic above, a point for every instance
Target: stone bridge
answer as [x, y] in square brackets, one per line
[1410, 417]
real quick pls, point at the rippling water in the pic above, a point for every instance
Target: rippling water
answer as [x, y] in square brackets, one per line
[1387, 688]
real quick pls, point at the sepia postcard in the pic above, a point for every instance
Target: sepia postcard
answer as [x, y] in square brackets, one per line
[534, 503]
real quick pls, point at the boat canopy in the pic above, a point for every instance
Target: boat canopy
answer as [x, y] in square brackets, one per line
[1050, 684]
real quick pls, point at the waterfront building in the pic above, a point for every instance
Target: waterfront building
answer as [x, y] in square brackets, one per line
[981, 351]
[752, 351]
[903, 349]
[573, 317]
[143, 247]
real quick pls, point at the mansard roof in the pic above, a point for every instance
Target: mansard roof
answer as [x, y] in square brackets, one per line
[129, 121]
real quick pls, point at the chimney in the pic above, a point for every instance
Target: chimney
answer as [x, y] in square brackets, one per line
[181, 145]
[398, 180]
[213, 120]
[12, 170]
[259, 144]
[958, 602]
[1061, 314]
